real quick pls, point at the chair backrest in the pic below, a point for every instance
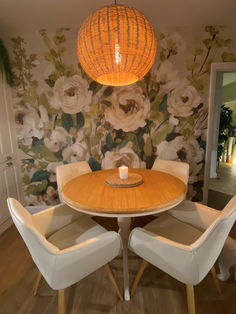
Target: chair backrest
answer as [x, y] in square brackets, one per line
[208, 247]
[42, 251]
[176, 168]
[70, 171]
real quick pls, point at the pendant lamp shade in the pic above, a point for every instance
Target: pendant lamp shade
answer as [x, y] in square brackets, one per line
[116, 45]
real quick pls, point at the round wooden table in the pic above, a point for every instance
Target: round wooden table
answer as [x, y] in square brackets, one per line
[89, 193]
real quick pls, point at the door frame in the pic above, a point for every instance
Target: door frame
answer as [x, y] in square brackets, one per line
[217, 71]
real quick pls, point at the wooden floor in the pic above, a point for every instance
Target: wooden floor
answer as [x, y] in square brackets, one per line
[226, 181]
[157, 292]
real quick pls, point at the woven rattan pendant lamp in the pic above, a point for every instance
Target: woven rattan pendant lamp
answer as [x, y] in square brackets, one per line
[116, 45]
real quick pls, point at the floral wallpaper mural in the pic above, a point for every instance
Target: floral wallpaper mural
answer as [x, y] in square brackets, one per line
[63, 116]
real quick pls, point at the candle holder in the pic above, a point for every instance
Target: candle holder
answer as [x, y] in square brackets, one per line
[124, 180]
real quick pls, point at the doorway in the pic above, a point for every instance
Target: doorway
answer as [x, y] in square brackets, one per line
[220, 178]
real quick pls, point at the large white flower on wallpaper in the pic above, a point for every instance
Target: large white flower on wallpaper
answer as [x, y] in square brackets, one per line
[71, 94]
[30, 123]
[166, 76]
[182, 100]
[172, 42]
[129, 108]
[182, 150]
[75, 152]
[51, 196]
[57, 139]
[52, 169]
[125, 156]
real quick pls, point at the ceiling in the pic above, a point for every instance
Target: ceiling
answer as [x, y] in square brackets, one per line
[23, 16]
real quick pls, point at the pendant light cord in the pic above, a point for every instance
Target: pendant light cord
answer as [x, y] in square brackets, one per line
[115, 2]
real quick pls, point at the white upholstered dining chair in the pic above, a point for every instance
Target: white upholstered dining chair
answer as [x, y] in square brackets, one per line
[64, 245]
[176, 168]
[70, 171]
[184, 242]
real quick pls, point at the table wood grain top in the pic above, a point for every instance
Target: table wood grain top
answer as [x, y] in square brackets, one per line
[90, 193]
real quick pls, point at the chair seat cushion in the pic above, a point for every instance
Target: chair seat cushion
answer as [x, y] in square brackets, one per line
[76, 232]
[173, 229]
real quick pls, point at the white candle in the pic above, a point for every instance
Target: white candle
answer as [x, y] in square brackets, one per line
[123, 172]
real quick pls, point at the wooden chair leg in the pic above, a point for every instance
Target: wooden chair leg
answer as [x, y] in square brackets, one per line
[138, 277]
[39, 276]
[216, 280]
[190, 299]
[112, 278]
[61, 301]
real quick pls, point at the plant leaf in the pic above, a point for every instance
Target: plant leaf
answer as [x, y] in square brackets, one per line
[79, 120]
[67, 121]
[163, 104]
[94, 164]
[40, 175]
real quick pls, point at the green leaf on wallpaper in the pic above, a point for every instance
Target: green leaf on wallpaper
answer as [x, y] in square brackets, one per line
[140, 133]
[43, 152]
[48, 57]
[94, 164]
[212, 30]
[109, 142]
[66, 121]
[108, 91]
[123, 143]
[187, 133]
[26, 179]
[191, 64]
[69, 70]
[52, 79]
[94, 140]
[163, 104]
[40, 175]
[161, 134]
[171, 136]
[162, 55]
[79, 120]
[37, 189]
[106, 102]
[53, 53]
[147, 78]
[228, 42]
[46, 40]
[152, 94]
[132, 138]
[148, 147]
[47, 154]
[104, 149]
[30, 95]
[228, 57]
[23, 147]
[95, 87]
[195, 110]
[58, 39]
[60, 67]
[200, 85]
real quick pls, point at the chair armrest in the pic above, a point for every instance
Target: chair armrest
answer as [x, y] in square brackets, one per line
[54, 218]
[196, 214]
[82, 259]
[97, 242]
[174, 258]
